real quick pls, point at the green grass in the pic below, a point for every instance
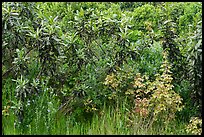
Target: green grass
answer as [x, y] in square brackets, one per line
[113, 121]
[105, 125]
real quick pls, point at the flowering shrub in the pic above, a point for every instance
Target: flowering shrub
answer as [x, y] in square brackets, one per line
[155, 99]
[111, 80]
[164, 101]
[5, 111]
[195, 126]
[141, 106]
[158, 97]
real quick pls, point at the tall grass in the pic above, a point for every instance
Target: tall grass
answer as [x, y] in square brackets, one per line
[113, 120]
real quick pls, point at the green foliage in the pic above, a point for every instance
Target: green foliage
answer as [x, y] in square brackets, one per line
[191, 15]
[67, 59]
[195, 64]
[190, 109]
[145, 13]
[175, 57]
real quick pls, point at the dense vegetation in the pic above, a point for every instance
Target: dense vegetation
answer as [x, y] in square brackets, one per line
[101, 67]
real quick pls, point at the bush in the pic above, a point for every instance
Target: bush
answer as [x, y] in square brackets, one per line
[195, 126]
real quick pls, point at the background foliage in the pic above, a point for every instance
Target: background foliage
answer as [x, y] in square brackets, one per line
[70, 58]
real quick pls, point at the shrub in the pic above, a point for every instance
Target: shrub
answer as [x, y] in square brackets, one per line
[195, 126]
[164, 101]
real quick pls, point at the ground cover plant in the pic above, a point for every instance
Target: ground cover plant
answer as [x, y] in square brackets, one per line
[101, 68]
